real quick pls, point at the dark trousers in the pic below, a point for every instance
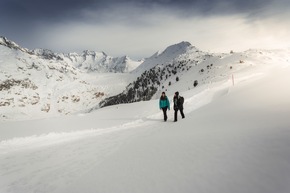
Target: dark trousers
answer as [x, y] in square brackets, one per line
[175, 113]
[164, 113]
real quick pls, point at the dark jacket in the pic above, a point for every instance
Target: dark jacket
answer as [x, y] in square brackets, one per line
[177, 103]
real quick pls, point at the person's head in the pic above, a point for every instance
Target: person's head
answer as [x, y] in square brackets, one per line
[176, 93]
[163, 94]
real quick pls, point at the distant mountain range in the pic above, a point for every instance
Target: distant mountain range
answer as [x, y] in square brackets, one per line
[89, 61]
[40, 83]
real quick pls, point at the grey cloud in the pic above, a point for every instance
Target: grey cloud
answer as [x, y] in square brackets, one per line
[24, 21]
[30, 11]
[42, 9]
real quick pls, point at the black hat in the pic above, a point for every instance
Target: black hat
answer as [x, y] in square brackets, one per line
[176, 93]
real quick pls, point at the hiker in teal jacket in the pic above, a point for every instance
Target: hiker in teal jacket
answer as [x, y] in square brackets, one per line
[164, 105]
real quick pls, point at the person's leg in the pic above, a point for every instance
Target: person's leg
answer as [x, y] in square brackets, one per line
[182, 114]
[164, 113]
[175, 115]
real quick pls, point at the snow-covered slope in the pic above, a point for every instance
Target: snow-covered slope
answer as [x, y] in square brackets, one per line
[182, 67]
[161, 71]
[234, 138]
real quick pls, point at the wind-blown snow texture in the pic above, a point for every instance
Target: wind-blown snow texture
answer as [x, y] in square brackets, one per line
[235, 137]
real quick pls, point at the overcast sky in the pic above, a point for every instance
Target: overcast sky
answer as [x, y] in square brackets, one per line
[139, 28]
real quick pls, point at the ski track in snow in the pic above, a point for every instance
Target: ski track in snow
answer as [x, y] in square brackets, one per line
[7, 146]
[41, 168]
[41, 164]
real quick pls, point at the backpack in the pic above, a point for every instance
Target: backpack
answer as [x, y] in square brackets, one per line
[181, 100]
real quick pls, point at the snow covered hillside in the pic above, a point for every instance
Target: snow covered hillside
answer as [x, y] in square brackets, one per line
[40, 83]
[234, 138]
[183, 67]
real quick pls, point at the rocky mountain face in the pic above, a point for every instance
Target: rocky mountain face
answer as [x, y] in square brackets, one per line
[10, 44]
[31, 86]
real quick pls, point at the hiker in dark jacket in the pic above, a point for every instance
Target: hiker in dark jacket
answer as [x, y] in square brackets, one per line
[164, 105]
[178, 105]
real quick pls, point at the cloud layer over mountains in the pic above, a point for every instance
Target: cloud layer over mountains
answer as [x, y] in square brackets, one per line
[132, 27]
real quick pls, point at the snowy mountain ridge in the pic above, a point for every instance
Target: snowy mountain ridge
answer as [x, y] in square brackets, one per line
[10, 44]
[88, 61]
[170, 54]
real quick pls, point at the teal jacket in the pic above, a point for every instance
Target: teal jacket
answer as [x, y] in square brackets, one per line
[164, 102]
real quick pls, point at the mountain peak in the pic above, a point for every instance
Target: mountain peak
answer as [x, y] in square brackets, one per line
[12, 45]
[184, 44]
[175, 49]
[180, 47]
[166, 56]
[4, 41]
